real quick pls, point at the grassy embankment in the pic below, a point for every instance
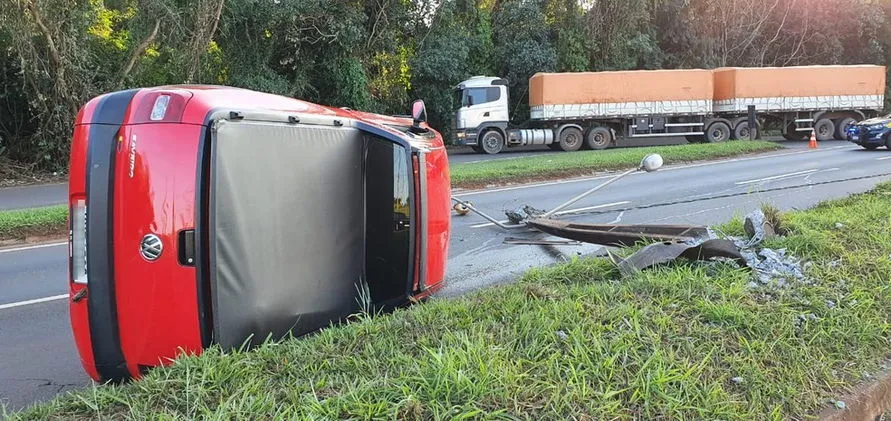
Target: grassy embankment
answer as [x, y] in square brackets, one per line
[38, 222]
[690, 340]
[560, 165]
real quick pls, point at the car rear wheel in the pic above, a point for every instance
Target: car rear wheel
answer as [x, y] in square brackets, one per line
[841, 125]
[825, 129]
[888, 141]
[570, 139]
[718, 131]
[492, 142]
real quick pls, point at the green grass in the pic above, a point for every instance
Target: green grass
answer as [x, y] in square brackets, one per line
[586, 162]
[23, 223]
[574, 341]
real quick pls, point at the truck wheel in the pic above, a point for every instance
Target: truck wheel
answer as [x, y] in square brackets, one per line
[718, 131]
[571, 139]
[741, 132]
[841, 125]
[492, 142]
[825, 129]
[599, 138]
[791, 134]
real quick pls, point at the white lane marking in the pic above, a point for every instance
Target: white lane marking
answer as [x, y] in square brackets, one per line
[566, 212]
[883, 158]
[791, 174]
[680, 167]
[34, 301]
[501, 159]
[38, 246]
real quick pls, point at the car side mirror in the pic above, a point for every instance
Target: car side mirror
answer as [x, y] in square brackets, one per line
[418, 111]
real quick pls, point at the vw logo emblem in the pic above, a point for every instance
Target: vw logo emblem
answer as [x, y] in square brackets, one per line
[151, 247]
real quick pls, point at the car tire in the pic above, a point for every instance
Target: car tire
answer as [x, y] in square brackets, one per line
[741, 131]
[599, 138]
[888, 141]
[840, 126]
[571, 139]
[718, 131]
[492, 142]
[824, 129]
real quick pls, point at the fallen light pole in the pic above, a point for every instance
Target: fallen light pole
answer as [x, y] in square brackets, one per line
[649, 163]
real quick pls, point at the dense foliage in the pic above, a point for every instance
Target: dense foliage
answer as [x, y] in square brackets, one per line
[380, 54]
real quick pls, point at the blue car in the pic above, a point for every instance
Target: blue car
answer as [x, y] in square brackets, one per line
[872, 133]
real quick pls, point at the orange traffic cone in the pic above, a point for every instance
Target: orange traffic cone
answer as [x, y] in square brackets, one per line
[813, 144]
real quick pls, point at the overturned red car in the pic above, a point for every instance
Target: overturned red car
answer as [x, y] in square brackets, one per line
[203, 215]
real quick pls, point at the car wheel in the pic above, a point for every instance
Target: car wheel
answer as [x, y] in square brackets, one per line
[492, 142]
[824, 129]
[718, 131]
[841, 125]
[599, 138]
[571, 139]
[741, 131]
[888, 141]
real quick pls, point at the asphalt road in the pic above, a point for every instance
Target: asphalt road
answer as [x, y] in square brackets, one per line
[38, 359]
[33, 196]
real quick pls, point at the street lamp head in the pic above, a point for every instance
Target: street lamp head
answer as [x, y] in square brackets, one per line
[651, 162]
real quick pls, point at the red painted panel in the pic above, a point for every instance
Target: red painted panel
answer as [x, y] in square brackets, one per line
[157, 301]
[438, 213]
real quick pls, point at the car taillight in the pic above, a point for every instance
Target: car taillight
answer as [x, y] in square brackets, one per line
[79, 241]
[161, 107]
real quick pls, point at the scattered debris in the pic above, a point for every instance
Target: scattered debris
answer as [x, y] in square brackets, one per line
[562, 335]
[664, 252]
[840, 404]
[839, 225]
[620, 235]
[758, 228]
[737, 380]
[535, 242]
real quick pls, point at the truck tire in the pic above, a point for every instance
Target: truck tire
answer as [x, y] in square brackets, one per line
[571, 139]
[741, 131]
[825, 129]
[718, 131]
[492, 142]
[599, 138]
[791, 134]
[840, 126]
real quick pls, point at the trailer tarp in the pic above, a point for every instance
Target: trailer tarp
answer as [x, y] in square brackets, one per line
[286, 220]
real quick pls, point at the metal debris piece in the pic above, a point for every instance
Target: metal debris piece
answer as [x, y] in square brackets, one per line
[537, 242]
[758, 228]
[620, 235]
[658, 253]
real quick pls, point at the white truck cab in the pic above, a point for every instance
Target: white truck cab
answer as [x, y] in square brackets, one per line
[482, 119]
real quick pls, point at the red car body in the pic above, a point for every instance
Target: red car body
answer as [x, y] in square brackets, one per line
[139, 169]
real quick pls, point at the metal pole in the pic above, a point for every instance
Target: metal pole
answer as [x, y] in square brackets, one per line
[587, 193]
[489, 218]
[752, 123]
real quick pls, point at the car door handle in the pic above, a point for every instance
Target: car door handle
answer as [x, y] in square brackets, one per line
[486, 114]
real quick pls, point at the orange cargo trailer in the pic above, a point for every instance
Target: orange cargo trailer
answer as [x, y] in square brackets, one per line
[613, 94]
[824, 99]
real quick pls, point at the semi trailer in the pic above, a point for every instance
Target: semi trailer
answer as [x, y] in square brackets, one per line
[598, 110]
